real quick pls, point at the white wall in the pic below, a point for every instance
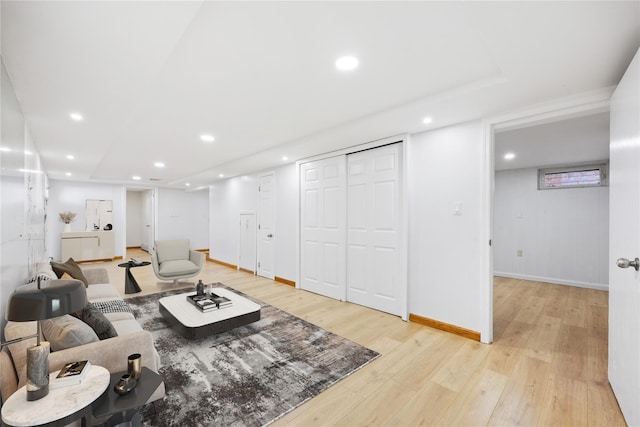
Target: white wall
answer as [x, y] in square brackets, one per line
[72, 196]
[445, 266]
[135, 220]
[226, 200]
[229, 197]
[563, 233]
[183, 215]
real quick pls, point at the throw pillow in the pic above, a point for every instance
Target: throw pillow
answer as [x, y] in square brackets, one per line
[98, 322]
[70, 267]
[66, 332]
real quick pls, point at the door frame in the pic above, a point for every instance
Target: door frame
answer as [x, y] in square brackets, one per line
[404, 214]
[581, 105]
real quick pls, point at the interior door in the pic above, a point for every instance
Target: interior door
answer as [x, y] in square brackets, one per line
[374, 235]
[147, 221]
[323, 227]
[266, 225]
[624, 234]
[247, 254]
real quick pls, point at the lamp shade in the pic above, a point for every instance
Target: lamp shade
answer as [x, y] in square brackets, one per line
[60, 297]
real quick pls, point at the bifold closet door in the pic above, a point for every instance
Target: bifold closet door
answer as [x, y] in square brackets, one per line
[323, 227]
[374, 237]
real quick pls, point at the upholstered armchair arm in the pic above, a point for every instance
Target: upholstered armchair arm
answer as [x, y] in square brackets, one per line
[8, 376]
[110, 353]
[154, 262]
[196, 257]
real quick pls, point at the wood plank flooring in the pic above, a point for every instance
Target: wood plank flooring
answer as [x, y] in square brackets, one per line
[547, 366]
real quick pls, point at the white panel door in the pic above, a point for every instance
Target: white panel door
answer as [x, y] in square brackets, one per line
[624, 235]
[322, 227]
[374, 235]
[147, 221]
[266, 225]
[247, 252]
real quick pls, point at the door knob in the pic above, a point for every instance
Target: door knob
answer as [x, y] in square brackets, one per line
[269, 235]
[625, 263]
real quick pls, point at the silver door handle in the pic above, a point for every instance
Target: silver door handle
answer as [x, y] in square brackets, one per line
[625, 263]
[269, 235]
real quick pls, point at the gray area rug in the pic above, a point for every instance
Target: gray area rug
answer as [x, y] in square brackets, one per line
[249, 376]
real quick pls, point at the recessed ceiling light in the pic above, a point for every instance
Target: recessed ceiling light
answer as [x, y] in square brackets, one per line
[159, 164]
[68, 174]
[188, 184]
[136, 178]
[77, 117]
[221, 175]
[509, 156]
[5, 149]
[285, 158]
[347, 63]
[427, 120]
[70, 157]
[207, 138]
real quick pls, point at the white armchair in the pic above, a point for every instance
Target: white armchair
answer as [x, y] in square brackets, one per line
[174, 260]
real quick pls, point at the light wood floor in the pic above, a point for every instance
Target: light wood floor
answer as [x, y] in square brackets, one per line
[547, 366]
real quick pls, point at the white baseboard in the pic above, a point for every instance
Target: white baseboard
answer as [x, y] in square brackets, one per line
[598, 286]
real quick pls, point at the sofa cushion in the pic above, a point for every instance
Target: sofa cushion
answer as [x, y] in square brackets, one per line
[170, 250]
[115, 317]
[70, 267]
[98, 322]
[96, 275]
[177, 268]
[127, 326]
[102, 291]
[66, 332]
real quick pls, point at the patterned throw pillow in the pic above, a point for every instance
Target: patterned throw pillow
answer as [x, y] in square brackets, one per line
[40, 276]
[71, 268]
[98, 322]
[112, 306]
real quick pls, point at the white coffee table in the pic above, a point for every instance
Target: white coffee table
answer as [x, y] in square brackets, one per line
[195, 324]
[61, 406]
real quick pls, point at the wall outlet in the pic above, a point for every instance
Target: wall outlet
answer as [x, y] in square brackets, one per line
[457, 208]
[519, 252]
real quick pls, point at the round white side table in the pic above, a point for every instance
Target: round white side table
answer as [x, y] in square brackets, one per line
[61, 406]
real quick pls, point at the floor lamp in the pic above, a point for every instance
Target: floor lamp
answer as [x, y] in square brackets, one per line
[27, 304]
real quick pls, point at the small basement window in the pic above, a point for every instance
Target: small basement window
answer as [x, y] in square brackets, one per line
[593, 175]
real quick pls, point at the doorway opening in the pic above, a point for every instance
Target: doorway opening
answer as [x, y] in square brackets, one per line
[516, 209]
[140, 222]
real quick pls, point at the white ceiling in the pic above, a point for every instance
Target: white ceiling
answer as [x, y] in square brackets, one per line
[577, 140]
[150, 77]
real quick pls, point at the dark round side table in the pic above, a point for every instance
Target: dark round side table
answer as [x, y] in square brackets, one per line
[130, 284]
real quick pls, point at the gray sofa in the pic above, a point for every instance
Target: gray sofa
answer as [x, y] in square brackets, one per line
[110, 353]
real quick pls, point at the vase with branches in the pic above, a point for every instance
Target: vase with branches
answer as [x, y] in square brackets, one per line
[67, 218]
